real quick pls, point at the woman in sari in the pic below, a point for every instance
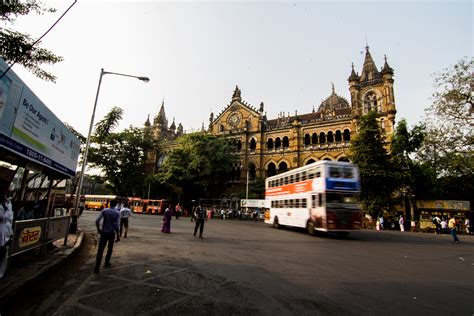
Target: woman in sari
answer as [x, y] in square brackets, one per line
[166, 228]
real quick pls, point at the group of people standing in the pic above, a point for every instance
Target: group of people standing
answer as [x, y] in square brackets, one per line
[198, 214]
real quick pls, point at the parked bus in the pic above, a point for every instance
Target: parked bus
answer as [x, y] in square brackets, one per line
[147, 206]
[322, 196]
[98, 202]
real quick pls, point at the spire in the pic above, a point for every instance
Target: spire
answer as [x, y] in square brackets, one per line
[161, 117]
[332, 86]
[147, 122]
[386, 68]
[353, 76]
[173, 126]
[369, 70]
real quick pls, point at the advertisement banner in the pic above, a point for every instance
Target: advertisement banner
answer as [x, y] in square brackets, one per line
[34, 131]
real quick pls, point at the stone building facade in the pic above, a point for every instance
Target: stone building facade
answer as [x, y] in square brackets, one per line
[268, 146]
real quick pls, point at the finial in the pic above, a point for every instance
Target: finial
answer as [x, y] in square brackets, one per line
[366, 43]
[385, 57]
[352, 66]
[313, 109]
[332, 85]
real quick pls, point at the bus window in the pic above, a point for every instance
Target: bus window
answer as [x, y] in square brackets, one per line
[320, 199]
[314, 199]
[297, 177]
[334, 172]
[286, 180]
[318, 173]
[292, 179]
[303, 203]
[347, 173]
[303, 176]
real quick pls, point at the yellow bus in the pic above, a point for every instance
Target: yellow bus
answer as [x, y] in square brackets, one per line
[98, 202]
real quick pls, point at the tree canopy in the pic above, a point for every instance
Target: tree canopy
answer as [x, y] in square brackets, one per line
[17, 47]
[198, 167]
[371, 157]
[449, 141]
[120, 155]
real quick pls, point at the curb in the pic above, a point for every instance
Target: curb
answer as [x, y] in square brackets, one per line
[62, 256]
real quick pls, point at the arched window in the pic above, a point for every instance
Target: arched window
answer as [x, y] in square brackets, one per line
[282, 167]
[370, 102]
[286, 142]
[338, 136]
[343, 159]
[221, 128]
[235, 173]
[271, 169]
[253, 144]
[239, 145]
[310, 161]
[277, 143]
[270, 143]
[330, 137]
[314, 139]
[329, 159]
[322, 138]
[307, 140]
[252, 171]
[347, 135]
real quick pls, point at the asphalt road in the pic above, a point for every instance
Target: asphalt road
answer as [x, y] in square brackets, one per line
[244, 267]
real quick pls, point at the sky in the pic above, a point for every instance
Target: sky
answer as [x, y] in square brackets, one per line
[285, 54]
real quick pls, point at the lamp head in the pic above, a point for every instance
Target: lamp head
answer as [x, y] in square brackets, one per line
[144, 79]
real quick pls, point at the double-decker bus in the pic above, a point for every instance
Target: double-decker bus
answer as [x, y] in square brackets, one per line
[147, 206]
[322, 196]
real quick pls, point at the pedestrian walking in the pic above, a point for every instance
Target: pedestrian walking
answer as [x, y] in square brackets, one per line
[381, 222]
[125, 214]
[200, 218]
[110, 226]
[166, 227]
[452, 224]
[177, 211]
[444, 226]
[222, 214]
[6, 231]
[437, 222]
[193, 213]
[467, 225]
[401, 222]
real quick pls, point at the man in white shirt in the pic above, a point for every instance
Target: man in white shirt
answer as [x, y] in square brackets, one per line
[125, 213]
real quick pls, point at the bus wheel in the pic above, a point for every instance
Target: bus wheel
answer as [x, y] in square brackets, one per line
[310, 228]
[276, 224]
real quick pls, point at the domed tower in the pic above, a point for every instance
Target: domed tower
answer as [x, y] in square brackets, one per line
[330, 106]
[372, 90]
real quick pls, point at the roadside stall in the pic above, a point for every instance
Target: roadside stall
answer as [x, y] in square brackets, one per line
[34, 143]
[444, 209]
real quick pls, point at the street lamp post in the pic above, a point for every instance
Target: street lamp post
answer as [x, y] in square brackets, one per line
[86, 150]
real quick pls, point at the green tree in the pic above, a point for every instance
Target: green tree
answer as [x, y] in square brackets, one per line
[120, 155]
[369, 154]
[17, 47]
[449, 141]
[412, 178]
[198, 167]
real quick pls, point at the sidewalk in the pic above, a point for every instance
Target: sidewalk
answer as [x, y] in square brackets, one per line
[25, 268]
